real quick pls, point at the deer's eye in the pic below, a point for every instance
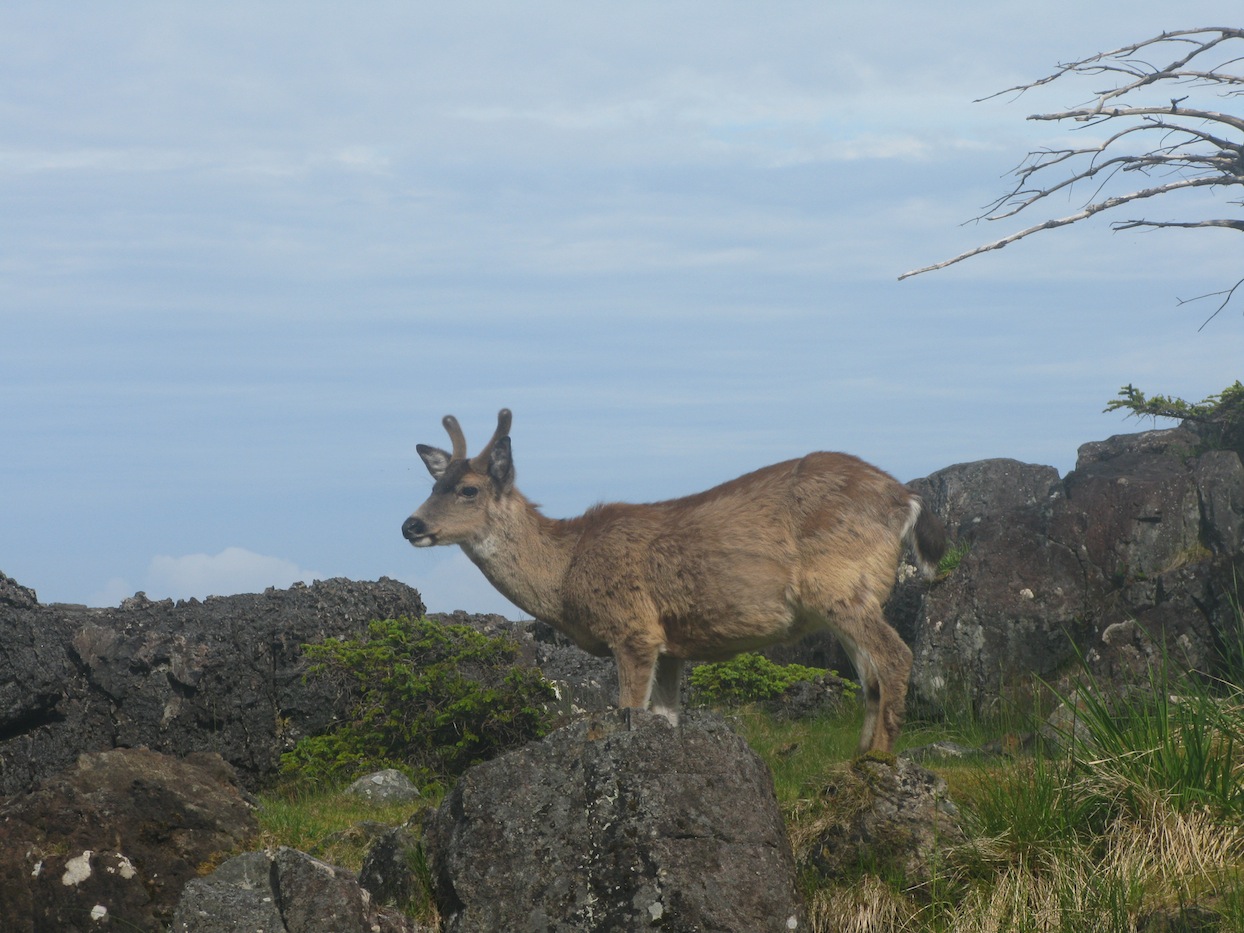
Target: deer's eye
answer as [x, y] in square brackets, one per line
[468, 492]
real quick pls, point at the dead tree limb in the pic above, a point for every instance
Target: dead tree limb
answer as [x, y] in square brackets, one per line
[1177, 144]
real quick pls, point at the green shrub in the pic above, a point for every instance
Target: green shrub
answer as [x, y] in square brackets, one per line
[748, 678]
[427, 698]
[1220, 416]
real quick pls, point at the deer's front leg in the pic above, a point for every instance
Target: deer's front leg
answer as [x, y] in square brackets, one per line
[636, 671]
[667, 687]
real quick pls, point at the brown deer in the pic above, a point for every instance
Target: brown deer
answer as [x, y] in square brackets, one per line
[768, 557]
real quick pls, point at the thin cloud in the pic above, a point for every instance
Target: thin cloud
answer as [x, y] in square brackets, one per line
[233, 570]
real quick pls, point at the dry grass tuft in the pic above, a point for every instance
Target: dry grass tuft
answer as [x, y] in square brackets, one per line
[867, 906]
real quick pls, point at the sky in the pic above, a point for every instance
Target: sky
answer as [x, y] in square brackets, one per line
[251, 254]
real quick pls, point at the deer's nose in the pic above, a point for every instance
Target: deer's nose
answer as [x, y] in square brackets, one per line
[414, 528]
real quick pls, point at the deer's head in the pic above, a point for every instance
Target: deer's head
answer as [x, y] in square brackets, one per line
[466, 491]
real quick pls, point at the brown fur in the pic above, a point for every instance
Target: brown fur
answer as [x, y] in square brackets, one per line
[799, 545]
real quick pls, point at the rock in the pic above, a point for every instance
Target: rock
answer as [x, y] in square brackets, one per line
[384, 787]
[618, 821]
[584, 683]
[946, 750]
[225, 674]
[1012, 607]
[15, 596]
[1189, 918]
[1132, 503]
[1145, 533]
[285, 891]
[891, 818]
[117, 836]
[389, 868]
[807, 699]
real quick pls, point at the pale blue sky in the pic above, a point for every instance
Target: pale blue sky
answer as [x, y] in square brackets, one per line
[252, 253]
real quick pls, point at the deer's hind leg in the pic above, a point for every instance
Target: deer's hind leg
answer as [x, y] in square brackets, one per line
[883, 662]
[667, 687]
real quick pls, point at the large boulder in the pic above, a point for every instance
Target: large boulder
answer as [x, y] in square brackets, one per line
[618, 821]
[1007, 611]
[116, 838]
[225, 674]
[1132, 556]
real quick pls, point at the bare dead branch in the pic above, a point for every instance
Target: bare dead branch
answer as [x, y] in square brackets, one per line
[1194, 147]
[1227, 294]
[1153, 224]
[1095, 208]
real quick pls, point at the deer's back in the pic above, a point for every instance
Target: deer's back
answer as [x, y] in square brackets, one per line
[741, 561]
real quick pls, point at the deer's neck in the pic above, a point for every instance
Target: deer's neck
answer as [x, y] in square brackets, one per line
[525, 556]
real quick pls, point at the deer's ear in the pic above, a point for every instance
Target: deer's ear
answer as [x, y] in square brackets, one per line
[501, 464]
[435, 459]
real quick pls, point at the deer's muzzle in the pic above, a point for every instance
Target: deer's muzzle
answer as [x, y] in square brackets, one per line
[415, 530]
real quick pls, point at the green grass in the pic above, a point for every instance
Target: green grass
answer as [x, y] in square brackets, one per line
[797, 751]
[955, 552]
[325, 823]
[1138, 814]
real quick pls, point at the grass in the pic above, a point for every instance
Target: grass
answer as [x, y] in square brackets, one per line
[327, 824]
[1135, 821]
[950, 561]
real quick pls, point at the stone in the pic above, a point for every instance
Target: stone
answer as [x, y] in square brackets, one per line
[384, 787]
[388, 871]
[117, 836]
[284, 891]
[823, 695]
[1016, 602]
[618, 821]
[1144, 533]
[226, 673]
[887, 817]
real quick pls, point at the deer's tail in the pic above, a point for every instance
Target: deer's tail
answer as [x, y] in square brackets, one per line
[926, 536]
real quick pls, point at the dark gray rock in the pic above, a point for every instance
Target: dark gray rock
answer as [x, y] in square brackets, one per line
[225, 674]
[116, 836]
[285, 891]
[15, 596]
[946, 750]
[618, 821]
[584, 682]
[891, 818]
[1133, 556]
[1005, 613]
[236, 896]
[1132, 504]
[390, 866]
[823, 695]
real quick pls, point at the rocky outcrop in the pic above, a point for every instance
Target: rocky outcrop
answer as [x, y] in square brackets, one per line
[1016, 605]
[618, 821]
[1134, 554]
[224, 674]
[284, 891]
[389, 868]
[114, 839]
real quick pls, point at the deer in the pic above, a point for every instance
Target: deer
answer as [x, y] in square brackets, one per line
[806, 544]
